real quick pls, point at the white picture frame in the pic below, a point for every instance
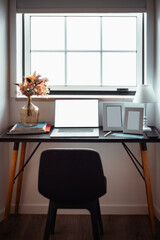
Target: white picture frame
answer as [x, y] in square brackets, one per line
[133, 120]
[112, 116]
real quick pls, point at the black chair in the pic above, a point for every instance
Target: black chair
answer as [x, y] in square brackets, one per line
[72, 179]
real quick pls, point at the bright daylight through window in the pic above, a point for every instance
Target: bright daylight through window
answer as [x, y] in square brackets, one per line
[85, 52]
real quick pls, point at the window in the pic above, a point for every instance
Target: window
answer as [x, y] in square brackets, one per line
[83, 52]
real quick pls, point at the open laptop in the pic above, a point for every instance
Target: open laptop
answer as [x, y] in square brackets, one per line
[76, 118]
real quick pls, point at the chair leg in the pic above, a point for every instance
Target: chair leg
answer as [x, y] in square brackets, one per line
[99, 217]
[53, 221]
[51, 210]
[94, 217]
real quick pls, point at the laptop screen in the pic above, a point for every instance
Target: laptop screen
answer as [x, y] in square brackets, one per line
[76, 113]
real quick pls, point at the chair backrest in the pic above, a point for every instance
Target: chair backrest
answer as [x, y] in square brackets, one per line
[71, 175]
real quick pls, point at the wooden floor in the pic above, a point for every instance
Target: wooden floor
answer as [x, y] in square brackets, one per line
[78, 227]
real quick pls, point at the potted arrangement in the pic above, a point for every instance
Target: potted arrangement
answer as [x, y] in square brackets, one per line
[32, 85]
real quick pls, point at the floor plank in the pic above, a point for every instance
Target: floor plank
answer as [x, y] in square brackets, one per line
[78, 227]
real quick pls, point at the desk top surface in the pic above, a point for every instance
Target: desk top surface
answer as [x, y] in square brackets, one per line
[46, 138]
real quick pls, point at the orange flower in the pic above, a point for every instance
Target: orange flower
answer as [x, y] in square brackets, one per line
[33, 85]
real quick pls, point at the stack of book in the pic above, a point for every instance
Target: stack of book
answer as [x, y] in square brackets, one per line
[19, 128]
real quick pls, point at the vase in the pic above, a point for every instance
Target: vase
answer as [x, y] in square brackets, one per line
[29, 113]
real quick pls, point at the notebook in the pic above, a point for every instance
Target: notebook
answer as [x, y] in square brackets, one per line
[76, 118]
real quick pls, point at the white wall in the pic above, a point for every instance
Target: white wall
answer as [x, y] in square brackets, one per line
[157, 89]
[4, 70]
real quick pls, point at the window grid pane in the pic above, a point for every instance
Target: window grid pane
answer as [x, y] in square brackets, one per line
[82, 73]
[83, 33]
[125, 65]
[54, 70]
[119, 33]
[47, 33]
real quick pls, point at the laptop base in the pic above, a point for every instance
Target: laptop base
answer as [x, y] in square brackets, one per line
[75, 132]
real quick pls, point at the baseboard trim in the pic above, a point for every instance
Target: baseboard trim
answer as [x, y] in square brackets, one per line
[105, 209]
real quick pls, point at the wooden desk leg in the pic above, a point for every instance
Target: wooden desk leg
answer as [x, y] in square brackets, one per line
[10, 183]
[20, 177]
[145, 164]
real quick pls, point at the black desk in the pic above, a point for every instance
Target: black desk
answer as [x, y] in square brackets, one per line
[143, 168]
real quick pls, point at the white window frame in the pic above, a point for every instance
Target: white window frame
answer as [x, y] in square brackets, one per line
[139, 55]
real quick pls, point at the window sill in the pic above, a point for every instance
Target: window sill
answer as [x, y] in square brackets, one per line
[99, 97]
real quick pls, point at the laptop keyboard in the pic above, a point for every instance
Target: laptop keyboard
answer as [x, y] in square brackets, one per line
[72, 130]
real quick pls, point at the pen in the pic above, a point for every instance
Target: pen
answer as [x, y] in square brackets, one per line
[105, 135]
